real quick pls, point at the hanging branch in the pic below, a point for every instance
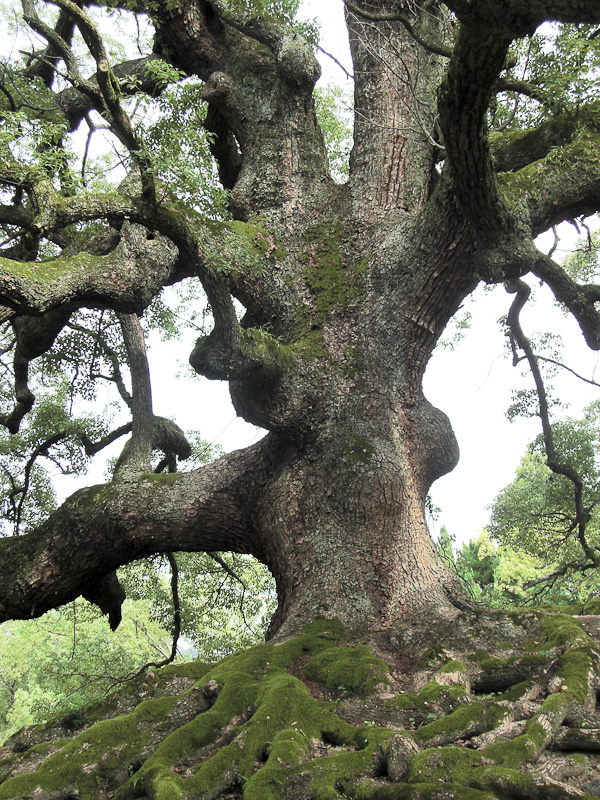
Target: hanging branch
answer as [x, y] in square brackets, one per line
[176, 625]
[519, 341]
[222, 563]
[22, 489]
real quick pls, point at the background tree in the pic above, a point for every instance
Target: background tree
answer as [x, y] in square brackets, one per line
[461, 156]
[536, 512]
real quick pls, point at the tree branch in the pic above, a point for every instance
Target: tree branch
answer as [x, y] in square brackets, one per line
[579, 300]
[518, 339]
[463, 102]
[512, 151]
[98, 529]
[564, 185]
[126, 279]
[138, 459]
[176, 625]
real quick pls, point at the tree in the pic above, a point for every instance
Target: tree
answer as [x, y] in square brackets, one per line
[469, 140]
[536, 513]
[61, 663]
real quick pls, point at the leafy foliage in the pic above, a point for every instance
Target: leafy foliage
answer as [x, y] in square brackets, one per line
[531, 552]
[68, 658]
[334, 107]
[537, 509]
[223, 608]
[180, 147]
[560, 63]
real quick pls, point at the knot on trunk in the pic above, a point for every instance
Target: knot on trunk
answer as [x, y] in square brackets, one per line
[217, 87]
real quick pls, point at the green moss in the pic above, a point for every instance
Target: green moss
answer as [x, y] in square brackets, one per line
[454, 666]
[331, 278]
[520, 750]
[445, 764]
[486, 662]
[93, 749]
[573, 609]
[591, 607]
[329, 773]
[124, 455]
[487, 715]
[47, 272]
[232, 246]
[334, 280]
[273, 351]
[574, 668]
[261, 702]
[351, 669]
[582, 154]
[419, 791]
[561, 629]
[262, 239]
[432, 692]
[517, 691]
[90, 496]
[530, 661]
[407, 701]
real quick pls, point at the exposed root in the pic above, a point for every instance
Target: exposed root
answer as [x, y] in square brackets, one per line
[503, 706]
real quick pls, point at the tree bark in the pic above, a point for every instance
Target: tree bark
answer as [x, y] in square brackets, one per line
[347, 290]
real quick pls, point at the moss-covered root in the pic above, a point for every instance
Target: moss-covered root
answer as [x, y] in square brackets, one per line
[247, 723]
[317, 717]
[265, 729]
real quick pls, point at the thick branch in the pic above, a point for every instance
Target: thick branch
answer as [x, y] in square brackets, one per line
[44, 65]
[580, 300]
[464, 98]
[126, 279]
[513, 151]
[101, 528]
[562, 187]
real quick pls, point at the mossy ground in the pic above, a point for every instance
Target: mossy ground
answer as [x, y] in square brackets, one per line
[502, 706]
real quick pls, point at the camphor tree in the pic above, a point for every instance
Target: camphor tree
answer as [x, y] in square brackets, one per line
[471, 136]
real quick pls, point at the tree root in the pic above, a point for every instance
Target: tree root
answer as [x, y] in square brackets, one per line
[321, 718]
